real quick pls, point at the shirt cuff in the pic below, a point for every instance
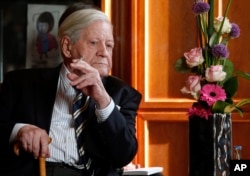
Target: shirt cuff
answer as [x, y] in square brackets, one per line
[103, 114]
[15, 131]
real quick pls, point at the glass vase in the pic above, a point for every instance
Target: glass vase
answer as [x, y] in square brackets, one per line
[210, 144]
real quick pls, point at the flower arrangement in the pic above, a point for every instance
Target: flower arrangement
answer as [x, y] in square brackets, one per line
[212, 80]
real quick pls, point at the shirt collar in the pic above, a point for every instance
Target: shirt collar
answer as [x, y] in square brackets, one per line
[64, 79]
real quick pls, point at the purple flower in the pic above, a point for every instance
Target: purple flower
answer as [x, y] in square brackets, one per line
[235, 31]
[220, 50]
[200, 7]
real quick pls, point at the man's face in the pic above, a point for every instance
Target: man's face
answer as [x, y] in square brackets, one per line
[95, 46]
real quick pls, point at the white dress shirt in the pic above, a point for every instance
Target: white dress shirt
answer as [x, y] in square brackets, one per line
[63, 147]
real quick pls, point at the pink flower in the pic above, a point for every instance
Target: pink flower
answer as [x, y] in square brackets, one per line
[215, 73]
[211, 93]
[192, 86]
[194, 57]
[199, 110]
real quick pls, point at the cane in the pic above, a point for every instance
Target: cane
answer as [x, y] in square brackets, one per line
[42, 163]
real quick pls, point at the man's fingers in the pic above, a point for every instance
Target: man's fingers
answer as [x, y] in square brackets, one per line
[44, 150]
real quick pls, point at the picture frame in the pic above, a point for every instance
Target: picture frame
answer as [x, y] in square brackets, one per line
[17, 50]
[42, 48]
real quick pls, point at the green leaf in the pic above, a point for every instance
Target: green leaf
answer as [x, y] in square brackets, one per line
[225, 107]
[231, 86]
[243, 102]
[231, 108]
[212, 39]
[237, 107]
[211, 18]
[228, 67]
[219, 106]
[181, 65]
[243, 74]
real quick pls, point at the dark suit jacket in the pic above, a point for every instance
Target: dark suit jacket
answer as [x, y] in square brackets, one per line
[28, 96]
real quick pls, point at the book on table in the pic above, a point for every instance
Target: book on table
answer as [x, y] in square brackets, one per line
[143, 171]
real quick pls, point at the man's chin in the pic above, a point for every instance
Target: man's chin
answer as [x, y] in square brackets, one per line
[103, 73]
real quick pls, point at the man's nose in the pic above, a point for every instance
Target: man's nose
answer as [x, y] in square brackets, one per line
[102, 49]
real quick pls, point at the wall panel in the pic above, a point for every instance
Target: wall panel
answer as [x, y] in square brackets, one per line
[161, 31]
[167, 29]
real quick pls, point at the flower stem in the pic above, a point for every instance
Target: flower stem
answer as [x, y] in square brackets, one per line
[211, 19]
[224, 17]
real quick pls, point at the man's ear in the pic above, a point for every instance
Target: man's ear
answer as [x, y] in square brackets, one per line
[66, 46]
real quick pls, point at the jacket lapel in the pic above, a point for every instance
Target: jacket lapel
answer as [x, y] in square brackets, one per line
[45, 93]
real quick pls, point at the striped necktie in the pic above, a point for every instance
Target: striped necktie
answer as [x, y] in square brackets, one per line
[80, 104]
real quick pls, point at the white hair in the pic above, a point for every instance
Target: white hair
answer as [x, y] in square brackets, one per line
[79, 20]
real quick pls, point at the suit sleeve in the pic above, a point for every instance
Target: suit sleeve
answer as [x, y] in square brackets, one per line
[118, 131]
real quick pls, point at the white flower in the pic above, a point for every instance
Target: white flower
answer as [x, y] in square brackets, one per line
[226, 26]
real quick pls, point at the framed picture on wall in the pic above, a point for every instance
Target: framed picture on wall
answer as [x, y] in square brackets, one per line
[42, 25]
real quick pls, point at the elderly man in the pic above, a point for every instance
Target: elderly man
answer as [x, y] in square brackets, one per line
[89, 114]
